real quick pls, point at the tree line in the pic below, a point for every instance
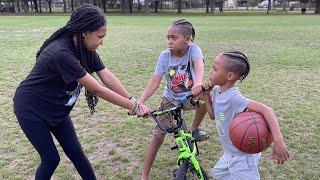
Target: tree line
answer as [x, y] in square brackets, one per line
[144, 6]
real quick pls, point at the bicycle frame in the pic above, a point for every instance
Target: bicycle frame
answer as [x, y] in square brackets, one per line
[185, 151]
[182, 138]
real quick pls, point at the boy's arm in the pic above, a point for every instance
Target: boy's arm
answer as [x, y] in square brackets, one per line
[150, 88]
[199, 71]
[207, 98]
[280, 151]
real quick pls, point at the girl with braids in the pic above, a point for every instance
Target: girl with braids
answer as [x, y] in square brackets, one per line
[64, 65]
[223, 104]
[182, 64]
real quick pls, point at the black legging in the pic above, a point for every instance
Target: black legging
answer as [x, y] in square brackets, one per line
[39, 134]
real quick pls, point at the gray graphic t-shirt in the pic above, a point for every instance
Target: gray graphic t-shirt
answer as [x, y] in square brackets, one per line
[179, 72]
[226, 106]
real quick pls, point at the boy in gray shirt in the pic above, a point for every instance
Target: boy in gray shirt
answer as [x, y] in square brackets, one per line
[224, 104]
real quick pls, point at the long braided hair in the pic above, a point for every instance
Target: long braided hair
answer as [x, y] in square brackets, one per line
[85, 18]
[237, 63]
[186, 28]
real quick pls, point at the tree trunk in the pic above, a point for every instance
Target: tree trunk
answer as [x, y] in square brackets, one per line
[221, 6]
[139, 5]
[18, 6]
[64, 6]
[123, 6]
[35, 2]
[72, 5]
[212, 6]
[40, 10]
[104, 5]
[207, 6]
[130, 3]
[317, 11]
[12, 8]
[179, 6]
[156, 5]
[146, 7]
[49, 3]
[31, 3]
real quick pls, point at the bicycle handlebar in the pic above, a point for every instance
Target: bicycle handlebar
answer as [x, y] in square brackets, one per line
[176, 112]
[176, 108]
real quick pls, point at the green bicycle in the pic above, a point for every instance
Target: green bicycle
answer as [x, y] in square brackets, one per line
[189, 166]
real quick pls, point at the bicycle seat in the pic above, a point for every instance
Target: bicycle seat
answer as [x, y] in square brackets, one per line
[200, 135]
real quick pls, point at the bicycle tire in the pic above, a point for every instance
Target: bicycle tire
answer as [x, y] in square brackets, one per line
[185, 173]
[182, 171]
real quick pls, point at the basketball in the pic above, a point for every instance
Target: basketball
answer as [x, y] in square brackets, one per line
[250, 133]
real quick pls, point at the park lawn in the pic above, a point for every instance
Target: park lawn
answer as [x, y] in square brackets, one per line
[285, 65]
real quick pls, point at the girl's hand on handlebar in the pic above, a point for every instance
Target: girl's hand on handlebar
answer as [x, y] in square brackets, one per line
[139, 110]
[143, 110]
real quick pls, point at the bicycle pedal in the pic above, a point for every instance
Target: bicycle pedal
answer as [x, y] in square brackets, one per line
[174, 147]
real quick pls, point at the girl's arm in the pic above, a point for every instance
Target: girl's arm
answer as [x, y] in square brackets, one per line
[113, 83]
[94, 87]
[150, 88]
[280, 151]
[199, 71]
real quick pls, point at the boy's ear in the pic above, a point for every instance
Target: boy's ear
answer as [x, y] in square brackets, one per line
[231, 76]
[188, 39]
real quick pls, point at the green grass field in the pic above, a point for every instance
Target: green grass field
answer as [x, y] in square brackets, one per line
[284, 52]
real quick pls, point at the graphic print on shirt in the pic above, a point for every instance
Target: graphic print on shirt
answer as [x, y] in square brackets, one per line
[73, 95]
[181, 78]
[219, 119]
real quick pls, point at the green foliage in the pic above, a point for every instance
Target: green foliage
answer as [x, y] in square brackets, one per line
[284, 54]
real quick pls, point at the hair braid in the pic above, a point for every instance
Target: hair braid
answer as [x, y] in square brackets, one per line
[85, 18]
[241, 69]
[186, 28]
[54, 36]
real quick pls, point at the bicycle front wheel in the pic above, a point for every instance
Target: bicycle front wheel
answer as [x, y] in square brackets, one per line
[187, 172]
[182, 171]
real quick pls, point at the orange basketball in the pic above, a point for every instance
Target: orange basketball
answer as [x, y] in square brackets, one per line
[250, 133]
